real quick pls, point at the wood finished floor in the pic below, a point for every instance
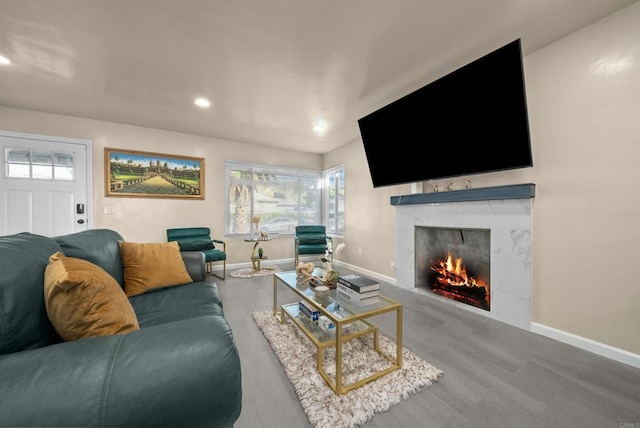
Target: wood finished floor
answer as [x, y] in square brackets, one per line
[495, 375]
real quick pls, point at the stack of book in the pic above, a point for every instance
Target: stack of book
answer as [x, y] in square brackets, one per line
[358, 289]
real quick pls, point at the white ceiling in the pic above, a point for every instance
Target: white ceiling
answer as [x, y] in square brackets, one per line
[270, 67]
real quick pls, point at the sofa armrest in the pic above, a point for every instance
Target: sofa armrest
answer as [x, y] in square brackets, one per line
[194, 262]
[184, 373]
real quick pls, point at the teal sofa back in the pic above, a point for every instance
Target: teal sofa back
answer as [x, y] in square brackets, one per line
[99, 246]
[24, 323]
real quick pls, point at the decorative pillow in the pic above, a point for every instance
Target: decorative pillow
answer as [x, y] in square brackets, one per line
[201, 245]
[152, 265]
[82, 300]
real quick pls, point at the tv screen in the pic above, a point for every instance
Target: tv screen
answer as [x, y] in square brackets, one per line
[471, 121]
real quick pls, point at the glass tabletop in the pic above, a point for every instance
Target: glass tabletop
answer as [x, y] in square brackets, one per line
[332, 303]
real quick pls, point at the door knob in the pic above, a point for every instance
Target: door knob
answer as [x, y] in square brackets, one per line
[81, 221]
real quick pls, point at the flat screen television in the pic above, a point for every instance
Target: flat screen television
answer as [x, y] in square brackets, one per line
[473, 120]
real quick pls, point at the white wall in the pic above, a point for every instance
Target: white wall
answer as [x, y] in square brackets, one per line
[585, 113]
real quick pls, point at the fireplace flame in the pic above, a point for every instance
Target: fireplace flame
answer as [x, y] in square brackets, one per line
[453, 272]
[452, 277]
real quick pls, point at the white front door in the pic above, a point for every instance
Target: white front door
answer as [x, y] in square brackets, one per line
[45, 184]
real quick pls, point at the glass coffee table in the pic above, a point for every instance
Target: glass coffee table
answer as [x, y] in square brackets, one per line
[350, 322]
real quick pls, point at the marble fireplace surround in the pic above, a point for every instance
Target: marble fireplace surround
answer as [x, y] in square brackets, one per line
[506, 211]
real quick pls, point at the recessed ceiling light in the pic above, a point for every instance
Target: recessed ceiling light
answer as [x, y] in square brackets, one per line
[319, 126]
[202, 102]
[4, 60]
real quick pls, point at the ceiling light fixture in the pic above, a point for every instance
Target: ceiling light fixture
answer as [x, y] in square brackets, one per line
[202, 102]
[4, 60]
[319, 126]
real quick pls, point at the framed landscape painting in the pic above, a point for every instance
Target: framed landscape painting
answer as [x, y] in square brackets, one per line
[130, 173]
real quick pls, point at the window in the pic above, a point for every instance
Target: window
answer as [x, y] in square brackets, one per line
[39, 164]
[333, 200]
[281, 197]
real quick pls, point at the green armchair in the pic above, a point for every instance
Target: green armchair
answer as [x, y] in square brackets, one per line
[311, 239]
[199, 239]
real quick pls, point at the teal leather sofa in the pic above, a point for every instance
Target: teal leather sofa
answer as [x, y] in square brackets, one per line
[180, 369]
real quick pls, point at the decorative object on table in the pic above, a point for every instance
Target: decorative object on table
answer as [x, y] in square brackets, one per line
[359, 405]
[328, 279]
[130, 173]
[322, 291]
[331, 277]
[260, 252]
[450, 185]
[256, 224]
[327, 260]
[305, 270]
[434, 187]
[264, 235]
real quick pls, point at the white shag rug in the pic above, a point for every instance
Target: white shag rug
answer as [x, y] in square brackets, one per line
[250, 273]
[323, 407]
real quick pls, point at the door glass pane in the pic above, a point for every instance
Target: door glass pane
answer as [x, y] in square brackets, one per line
[42, 172]
[17, 170]
[17, 156]
[63, 159]
[41, 158]
[17, 163]
[63, 166]
[42, 165]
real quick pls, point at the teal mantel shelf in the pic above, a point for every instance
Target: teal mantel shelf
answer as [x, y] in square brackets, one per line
[515, 191]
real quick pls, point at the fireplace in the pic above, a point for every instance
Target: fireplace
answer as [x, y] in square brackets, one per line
[495, 223]
[454, 263]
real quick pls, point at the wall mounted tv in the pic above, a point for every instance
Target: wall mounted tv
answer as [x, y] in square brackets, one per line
[471, 121]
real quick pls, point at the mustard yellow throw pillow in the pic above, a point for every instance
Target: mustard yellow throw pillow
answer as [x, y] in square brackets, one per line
[82, 300]
[152, 265]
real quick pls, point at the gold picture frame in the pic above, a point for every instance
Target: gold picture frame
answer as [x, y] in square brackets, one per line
[136, 174]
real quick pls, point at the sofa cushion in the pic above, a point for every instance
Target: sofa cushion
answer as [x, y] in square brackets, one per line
[173, 304]
[23, 319]
[82, 300]
[152, 265]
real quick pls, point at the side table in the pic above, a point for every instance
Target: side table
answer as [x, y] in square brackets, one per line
[255, 260]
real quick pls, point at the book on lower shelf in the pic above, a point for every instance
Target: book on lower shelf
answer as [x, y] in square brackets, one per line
[349, 299]
[305, 309]
[359, 283]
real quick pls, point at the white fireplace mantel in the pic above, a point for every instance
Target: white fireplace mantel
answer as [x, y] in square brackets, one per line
[506, 212]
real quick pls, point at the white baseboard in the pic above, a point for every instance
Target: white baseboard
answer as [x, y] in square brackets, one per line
[607, 351]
